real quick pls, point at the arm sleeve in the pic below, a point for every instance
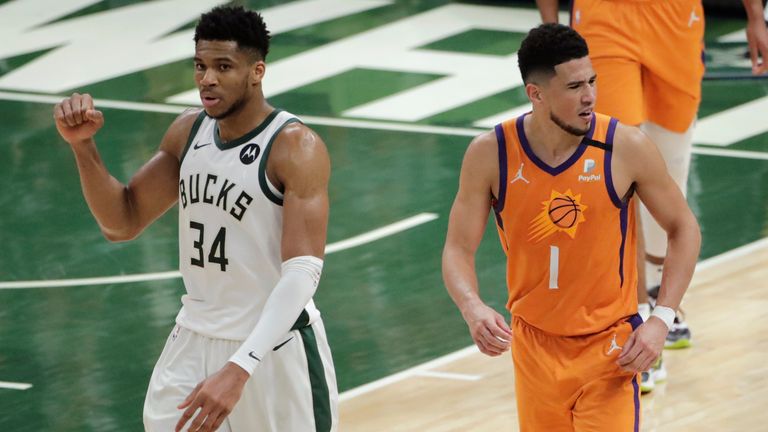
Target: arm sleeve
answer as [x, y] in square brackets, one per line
[297, 285]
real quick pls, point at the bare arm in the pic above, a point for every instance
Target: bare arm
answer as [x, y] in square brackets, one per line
[668, 206]
[466, 226]
[757, 35]
[548, 10]
[641, 160]
[301, 165]
[121, 211]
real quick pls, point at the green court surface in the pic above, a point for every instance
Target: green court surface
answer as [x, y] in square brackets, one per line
[88, 350]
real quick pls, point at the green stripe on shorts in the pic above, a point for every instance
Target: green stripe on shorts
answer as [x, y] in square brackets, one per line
[320, 400]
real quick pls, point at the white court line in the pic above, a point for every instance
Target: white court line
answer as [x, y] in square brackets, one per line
[391, 379]
[731, 255]
[337, 122]
[349, 243]
[15, 385]
[449, 375]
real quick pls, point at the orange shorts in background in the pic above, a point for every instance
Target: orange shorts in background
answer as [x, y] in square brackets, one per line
[572, 383]
[648, 55]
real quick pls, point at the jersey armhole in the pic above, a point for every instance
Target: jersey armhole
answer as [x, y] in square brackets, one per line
[269, 190]
[192, 133]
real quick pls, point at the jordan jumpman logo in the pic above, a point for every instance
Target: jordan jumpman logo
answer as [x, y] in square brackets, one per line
[519, 175]
[614, 346]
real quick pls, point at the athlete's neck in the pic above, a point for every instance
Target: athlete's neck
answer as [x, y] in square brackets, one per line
[549, 141]
[244, 120]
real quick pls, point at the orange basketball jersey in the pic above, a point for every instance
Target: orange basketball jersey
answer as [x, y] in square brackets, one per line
[569, 238]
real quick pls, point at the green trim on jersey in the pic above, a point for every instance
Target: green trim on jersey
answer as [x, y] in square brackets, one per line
[245, 138]
[302, 321]
[263, 164]
[192, 133]
[321, 400]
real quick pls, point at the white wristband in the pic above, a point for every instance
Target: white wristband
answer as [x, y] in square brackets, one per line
[666, 314]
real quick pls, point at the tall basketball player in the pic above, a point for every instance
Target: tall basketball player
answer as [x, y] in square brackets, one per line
[249, 351]
[568, 234]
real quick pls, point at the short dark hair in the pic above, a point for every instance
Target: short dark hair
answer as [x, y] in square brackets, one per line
[235, 23]
[547, 46]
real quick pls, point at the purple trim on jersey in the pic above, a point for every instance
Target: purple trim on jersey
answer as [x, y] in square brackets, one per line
[608, 172]
[502, 141]
[538, 162]
[635, 321]
[637, 403]
[623, 219]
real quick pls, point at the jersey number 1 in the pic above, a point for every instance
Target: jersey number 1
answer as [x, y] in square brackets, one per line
[217, 254]
[554, 264]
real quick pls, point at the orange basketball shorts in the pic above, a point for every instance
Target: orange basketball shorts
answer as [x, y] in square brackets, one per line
[648, 56]
[572, 383]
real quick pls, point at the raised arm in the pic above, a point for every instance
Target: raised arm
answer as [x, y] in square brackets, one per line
[757, 35]
[640, 161]
[548, 10]
[121, 211]
[469, 216]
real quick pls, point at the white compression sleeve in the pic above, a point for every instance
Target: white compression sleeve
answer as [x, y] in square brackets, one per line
[291, 294]
[676, 149]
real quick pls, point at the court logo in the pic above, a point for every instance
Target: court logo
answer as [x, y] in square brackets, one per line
[249, 153]
[614, 346]
[519, 175]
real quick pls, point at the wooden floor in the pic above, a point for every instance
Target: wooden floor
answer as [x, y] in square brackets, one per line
[720, 384]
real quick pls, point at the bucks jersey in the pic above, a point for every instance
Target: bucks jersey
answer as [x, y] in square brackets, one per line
[569, 237]
[230, 228]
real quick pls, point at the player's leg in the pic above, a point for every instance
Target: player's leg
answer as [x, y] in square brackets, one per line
[293, 389]
[177, 372]
[543, 398]
[672, 73]
[610, 399]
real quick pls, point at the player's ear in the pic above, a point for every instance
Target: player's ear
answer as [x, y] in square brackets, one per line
[534, 92]
[258, 69]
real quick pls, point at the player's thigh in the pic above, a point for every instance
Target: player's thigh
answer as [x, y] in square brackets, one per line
[610, 404]
[293, 389]
[609, 400]
[178, 370]
[543, 399]
[673, 65]
[620, 89]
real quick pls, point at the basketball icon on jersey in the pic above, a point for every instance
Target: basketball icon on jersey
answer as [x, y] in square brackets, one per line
[562, 212]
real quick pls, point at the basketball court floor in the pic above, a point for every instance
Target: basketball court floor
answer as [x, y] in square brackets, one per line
[397, 89]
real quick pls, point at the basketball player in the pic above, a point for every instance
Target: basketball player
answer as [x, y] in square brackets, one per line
[568, 234]
[649, 57]
[249, 350]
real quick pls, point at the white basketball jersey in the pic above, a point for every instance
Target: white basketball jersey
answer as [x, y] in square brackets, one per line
[230, 229]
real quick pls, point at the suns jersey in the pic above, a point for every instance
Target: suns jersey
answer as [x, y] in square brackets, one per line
[569, 238]
[230, 229]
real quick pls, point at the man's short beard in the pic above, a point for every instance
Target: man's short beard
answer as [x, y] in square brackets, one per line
[568, 128]
[236, 105]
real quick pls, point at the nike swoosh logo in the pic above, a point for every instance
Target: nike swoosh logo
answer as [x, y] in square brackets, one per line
[253, 356]
[197, 146]
[281, 345]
